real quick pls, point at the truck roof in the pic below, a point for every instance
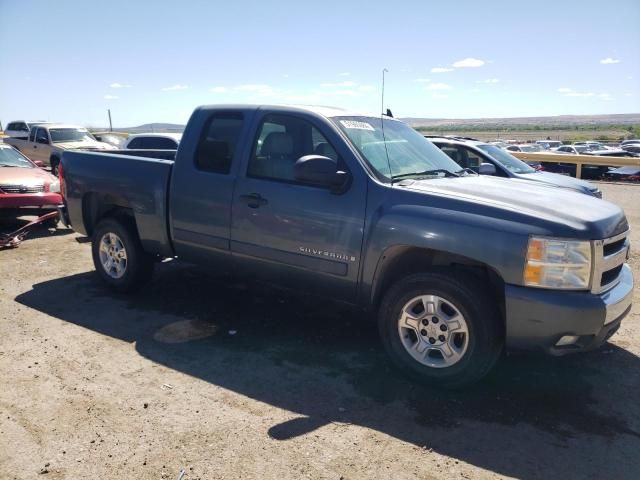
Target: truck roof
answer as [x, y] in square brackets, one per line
[322, 110]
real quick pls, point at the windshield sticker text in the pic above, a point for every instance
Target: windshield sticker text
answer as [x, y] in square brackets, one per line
[356, 125]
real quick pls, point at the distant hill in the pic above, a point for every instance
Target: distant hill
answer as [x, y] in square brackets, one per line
[560, 120]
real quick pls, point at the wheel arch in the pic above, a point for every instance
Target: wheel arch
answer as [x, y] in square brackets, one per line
[97, 206]
[400, 261]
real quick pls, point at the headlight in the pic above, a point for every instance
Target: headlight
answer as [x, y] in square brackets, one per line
[558, 264]
[54, 187]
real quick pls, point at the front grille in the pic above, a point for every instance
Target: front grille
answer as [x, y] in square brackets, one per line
[22, 188]
[609, 254]
[610, 276]
[613, 247]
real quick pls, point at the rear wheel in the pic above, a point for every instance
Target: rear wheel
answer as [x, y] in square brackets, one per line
[118, 255]
[442, 328]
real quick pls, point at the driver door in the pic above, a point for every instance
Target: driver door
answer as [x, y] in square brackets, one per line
[293, 234]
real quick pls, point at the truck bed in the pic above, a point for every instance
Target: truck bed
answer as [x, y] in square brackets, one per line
[117, 180]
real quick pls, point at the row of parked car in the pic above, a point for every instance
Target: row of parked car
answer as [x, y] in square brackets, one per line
[30, 146]
[627, 148]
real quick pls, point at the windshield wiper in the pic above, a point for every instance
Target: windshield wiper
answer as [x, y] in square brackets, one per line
[425, 173]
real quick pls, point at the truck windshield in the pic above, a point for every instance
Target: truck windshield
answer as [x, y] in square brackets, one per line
[10, 158]
[507, 160]
[409, 153]
[69, 135]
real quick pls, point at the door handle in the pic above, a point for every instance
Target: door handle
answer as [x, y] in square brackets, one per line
[254, 200]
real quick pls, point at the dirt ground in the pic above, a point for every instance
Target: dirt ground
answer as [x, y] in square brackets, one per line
[227, 380]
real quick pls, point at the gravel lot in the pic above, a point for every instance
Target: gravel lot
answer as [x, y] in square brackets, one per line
[227, 380]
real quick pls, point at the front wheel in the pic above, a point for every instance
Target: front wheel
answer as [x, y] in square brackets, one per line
[118, 255]
[441, 327]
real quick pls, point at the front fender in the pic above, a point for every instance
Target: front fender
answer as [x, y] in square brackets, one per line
[498, 243]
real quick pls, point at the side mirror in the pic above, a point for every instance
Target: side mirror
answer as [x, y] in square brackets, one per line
[42, 140]
[487, 169]
[39, 163]
[322, 172]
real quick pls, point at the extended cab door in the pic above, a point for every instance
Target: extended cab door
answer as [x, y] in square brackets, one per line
[292, 234]
[202, 184]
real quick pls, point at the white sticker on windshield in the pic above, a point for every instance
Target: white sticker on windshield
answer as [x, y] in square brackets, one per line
[356, 125]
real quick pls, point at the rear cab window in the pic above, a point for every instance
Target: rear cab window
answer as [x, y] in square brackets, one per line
[218, 144]
[161, 143]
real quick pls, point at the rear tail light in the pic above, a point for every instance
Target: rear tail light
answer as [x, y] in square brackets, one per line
[61, 180]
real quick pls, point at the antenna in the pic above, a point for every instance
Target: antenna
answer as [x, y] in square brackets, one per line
[384, 138]
[384, 70]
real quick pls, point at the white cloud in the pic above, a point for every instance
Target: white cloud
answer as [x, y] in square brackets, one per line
[439, 96]
[346, 83]
[628, 94]
[219, 89]
[629, 77]
[438, 86]
[175, 87]
[120, 85]
[609, 61]
[476, 90]
[423, 80]
[111, 97]
[367, 88]
[490, 80]
[579, 94]
[344, 74]
[468, 63]
[441, 69]
[568, 92]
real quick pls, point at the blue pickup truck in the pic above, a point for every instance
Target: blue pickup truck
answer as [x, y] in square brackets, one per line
[452, 266]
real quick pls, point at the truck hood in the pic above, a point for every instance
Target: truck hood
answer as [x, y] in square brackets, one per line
[587, 217]
[84, 145]
[558, 180]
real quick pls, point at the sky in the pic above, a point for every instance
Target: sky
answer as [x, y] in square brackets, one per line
[147, 61]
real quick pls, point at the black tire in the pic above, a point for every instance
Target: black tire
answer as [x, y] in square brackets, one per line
[139, 264]
[474, 302]
[55, 162]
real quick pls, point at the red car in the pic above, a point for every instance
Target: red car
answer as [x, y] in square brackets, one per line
[25, 189]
